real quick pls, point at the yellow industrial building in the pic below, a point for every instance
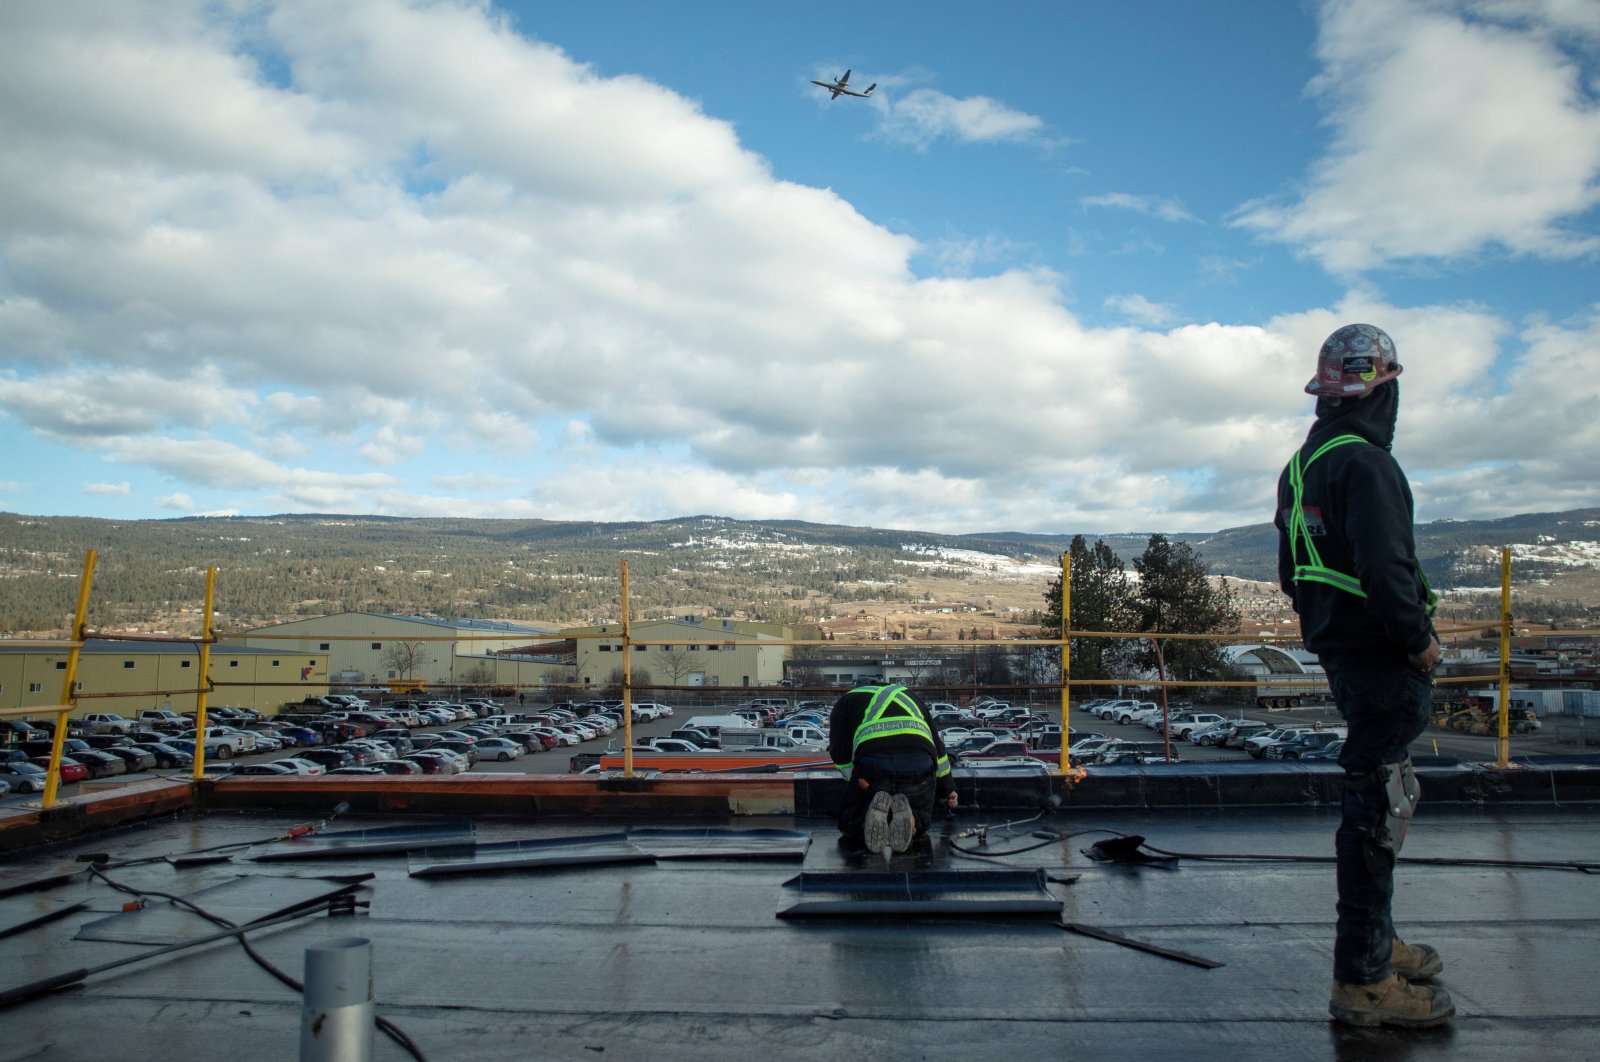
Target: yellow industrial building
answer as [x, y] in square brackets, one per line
[127, 677]
[283, 663]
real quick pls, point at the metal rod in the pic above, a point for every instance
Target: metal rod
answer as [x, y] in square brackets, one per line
[58, 739]
[205, 676]
[1504, 741]
[338, 1014]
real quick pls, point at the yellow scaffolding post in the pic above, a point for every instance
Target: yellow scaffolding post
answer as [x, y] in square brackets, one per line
[69, 700]
[1066, 655]
[627, 682]
[1504, 759]
[207, 636]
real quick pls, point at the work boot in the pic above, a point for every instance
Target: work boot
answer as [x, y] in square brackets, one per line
[875, 830]
[1393, 1001]
[902, 823]
[1415, 962]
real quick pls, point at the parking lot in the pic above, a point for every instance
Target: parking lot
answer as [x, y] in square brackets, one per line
[1435, 741]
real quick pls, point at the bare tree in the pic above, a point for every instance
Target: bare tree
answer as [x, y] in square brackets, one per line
[805, 665]
[678, 661]
[405, 658]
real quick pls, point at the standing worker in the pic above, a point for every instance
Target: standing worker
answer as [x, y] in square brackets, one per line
[881, 740]
[1347, 559]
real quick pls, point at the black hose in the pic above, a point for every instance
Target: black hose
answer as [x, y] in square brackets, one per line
[1256, 857]
[389, 1028]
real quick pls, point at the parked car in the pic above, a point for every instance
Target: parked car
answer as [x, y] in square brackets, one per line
[469, 749]
[1088, 748]
[68, 746]
[530, 742]
[108, 723]
[329, 757]
[400, 766]
[1239, 733]
[100, 764]
[302, 766]
[23, 777]
[136, 758]
[225, 742]
[71, 769]
[445, 761]
[1330, 751]
[1297, 747]
[15, 730]
[398, 739]
[499, 748]
[1002, 748]
[274, 769]
[1187, 723]
[304, 736]
[1107, 710]
[1138, 712]
[1258, 745]
[670, 744]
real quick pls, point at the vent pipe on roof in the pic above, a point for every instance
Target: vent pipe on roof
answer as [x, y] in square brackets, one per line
[337, 1013]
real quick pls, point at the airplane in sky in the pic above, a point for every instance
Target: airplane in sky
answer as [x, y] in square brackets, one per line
[841, 87]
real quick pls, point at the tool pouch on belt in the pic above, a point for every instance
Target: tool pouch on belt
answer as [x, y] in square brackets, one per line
[1400, 792]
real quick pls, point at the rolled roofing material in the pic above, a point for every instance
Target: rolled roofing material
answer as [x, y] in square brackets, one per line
[721, 843]
[347, 844]
[896, 910]
[592, 850]
[881, 895]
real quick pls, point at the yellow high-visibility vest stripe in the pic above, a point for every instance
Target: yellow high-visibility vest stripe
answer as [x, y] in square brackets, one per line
[1314, 571]
[875, 724]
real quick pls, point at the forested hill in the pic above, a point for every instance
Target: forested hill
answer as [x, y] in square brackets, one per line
[282, 567]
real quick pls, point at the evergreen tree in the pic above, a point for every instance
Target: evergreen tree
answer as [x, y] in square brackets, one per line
[1176, 595]
[1102, 600]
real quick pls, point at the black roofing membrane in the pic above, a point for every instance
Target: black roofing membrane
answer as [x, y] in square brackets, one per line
[687, 960]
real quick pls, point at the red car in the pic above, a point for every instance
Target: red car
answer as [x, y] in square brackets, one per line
[71, 769]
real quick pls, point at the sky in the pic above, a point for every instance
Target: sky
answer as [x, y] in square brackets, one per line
[1066, 270]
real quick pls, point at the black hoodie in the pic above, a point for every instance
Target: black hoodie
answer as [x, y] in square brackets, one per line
[1359, 510]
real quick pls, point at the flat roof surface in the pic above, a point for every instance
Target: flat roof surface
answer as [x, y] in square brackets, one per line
[674, 949]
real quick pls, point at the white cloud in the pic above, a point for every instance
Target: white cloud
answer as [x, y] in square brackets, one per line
[602, 306]
[121, 490]
[1141, 309]
[9, 485]
[177, 500]
[924, 115]
[1164, 208]
[1454, 133]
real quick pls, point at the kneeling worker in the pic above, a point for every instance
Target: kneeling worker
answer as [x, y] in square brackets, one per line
[880, 738]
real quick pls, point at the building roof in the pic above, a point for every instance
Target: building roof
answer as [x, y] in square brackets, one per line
[649, 938]
[116, 647]
[1275, 659]
[463, 623]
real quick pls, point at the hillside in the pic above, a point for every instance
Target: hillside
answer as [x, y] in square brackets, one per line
[150, 573]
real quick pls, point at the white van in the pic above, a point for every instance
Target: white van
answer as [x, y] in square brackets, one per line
[721, 722]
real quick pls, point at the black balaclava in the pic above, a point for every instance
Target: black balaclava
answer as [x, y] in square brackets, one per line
[1372, 417]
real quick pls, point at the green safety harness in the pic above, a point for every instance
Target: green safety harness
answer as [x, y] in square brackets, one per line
[877, 723]
[1313, 570]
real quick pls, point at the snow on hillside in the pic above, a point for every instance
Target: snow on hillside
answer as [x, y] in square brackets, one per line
[945, 558]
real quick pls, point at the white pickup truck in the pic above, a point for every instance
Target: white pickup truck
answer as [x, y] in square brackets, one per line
[108, 723]
[224, 742]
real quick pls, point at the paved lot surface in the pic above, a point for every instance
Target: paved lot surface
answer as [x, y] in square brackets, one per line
[1434, 741]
